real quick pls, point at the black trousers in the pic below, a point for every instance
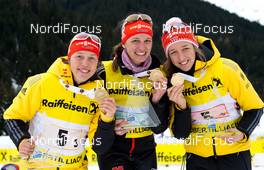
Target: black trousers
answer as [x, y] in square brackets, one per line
[236, 161]
[121, 161]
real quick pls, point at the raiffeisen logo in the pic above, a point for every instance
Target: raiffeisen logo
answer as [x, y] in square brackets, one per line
[126, 91]
[216, 82]
[61, 103]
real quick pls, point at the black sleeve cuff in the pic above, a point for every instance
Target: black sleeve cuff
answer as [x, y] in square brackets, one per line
[249, 121]
[17, 130]
[104, 136]
[182, 124]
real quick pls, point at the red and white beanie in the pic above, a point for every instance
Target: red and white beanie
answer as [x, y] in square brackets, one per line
[176, 31]
[138, 27]
[84, 45]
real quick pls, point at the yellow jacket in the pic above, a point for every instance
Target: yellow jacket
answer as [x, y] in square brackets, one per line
[216, 101]
[60, 118]
[130, 95]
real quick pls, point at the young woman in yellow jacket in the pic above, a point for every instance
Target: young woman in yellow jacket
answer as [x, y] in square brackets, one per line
[222, 108]
[54, 113]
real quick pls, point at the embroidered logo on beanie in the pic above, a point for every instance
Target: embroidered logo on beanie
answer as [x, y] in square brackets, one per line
[137, 27]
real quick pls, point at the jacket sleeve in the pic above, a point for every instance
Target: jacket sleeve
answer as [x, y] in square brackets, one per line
[244, 93]
[17, 130]
[103, 137]
[101, 134]
[22, 110]
[249, 121]
[162, 110]
[180, 122]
